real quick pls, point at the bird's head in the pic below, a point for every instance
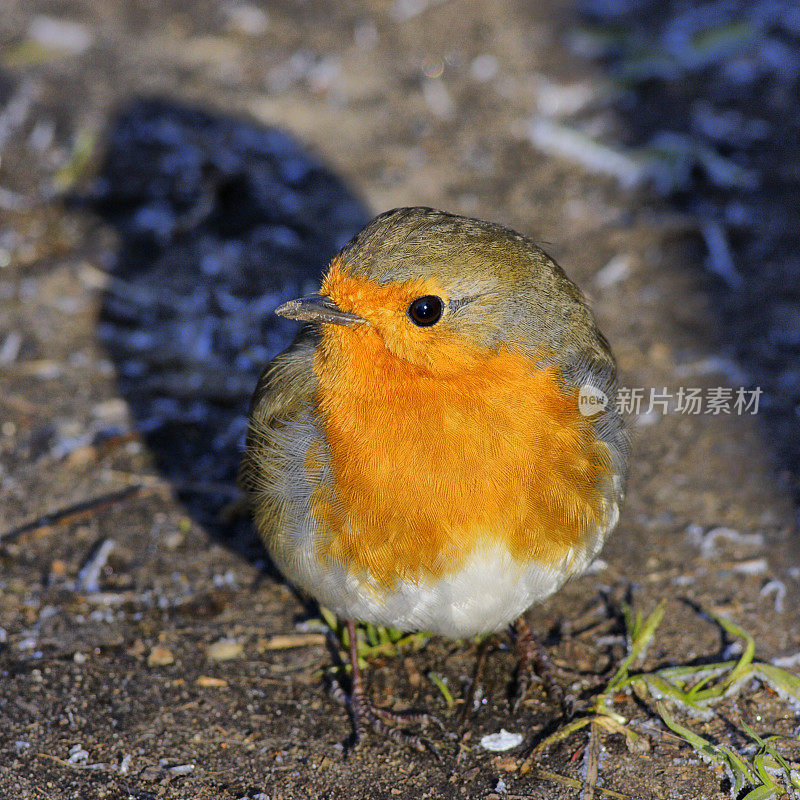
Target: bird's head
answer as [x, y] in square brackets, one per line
[438, 291]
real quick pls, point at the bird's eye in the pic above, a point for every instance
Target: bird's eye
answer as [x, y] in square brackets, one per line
[427, 310]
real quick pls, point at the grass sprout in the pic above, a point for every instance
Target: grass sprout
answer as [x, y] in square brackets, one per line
[757, 768]
[374, 641]
[439, 682]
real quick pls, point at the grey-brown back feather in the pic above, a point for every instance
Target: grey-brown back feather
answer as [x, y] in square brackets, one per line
[287, 387]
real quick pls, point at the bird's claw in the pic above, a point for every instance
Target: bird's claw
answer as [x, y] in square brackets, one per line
[383, 721]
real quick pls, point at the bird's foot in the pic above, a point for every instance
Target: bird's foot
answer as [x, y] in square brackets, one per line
[534, 665]
[381, 720]
[384, 722]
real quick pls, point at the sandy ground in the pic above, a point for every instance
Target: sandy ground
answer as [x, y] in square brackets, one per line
[143, 244]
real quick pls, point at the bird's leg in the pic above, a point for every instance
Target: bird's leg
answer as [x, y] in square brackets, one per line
[381, 720]
[533, 664]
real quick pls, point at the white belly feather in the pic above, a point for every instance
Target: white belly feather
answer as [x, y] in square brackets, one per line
[489, 591]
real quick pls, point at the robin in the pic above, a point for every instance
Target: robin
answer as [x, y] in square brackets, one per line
[421, 456]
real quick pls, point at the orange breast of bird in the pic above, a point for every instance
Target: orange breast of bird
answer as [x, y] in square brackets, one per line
[426, 466]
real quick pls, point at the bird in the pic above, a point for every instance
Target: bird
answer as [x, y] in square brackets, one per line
[421, 456]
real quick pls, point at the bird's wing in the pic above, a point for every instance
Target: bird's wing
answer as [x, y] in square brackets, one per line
[595, 366]
[285, 389]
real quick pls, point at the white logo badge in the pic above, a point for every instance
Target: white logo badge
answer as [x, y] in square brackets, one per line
[591, 400]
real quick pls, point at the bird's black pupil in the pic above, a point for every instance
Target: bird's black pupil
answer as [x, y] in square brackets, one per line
[426, 310]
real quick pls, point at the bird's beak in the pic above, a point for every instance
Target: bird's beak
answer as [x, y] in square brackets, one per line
[317, 308]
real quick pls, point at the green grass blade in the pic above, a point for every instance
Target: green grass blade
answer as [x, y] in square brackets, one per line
[563, 733]
[680, 671]
[329, 618]
[396, 635]
[640, 634]
[745, 773]
[745, 660]
[694, 691]
[784, 683]
[659, 687]
[695, 740]
[438, 682]
[761, 763]
[761, 793]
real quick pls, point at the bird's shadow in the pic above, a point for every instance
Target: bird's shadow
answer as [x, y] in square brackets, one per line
[216, 220]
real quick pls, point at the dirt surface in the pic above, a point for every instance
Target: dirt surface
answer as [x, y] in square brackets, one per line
[170, 172]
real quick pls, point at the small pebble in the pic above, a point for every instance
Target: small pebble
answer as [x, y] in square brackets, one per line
[136, 649]
[114, 409]
[207, 680]
[160, 656]
[498, 742]
[77, 755]
[225, 650]
[174, 540]
[182, 769]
